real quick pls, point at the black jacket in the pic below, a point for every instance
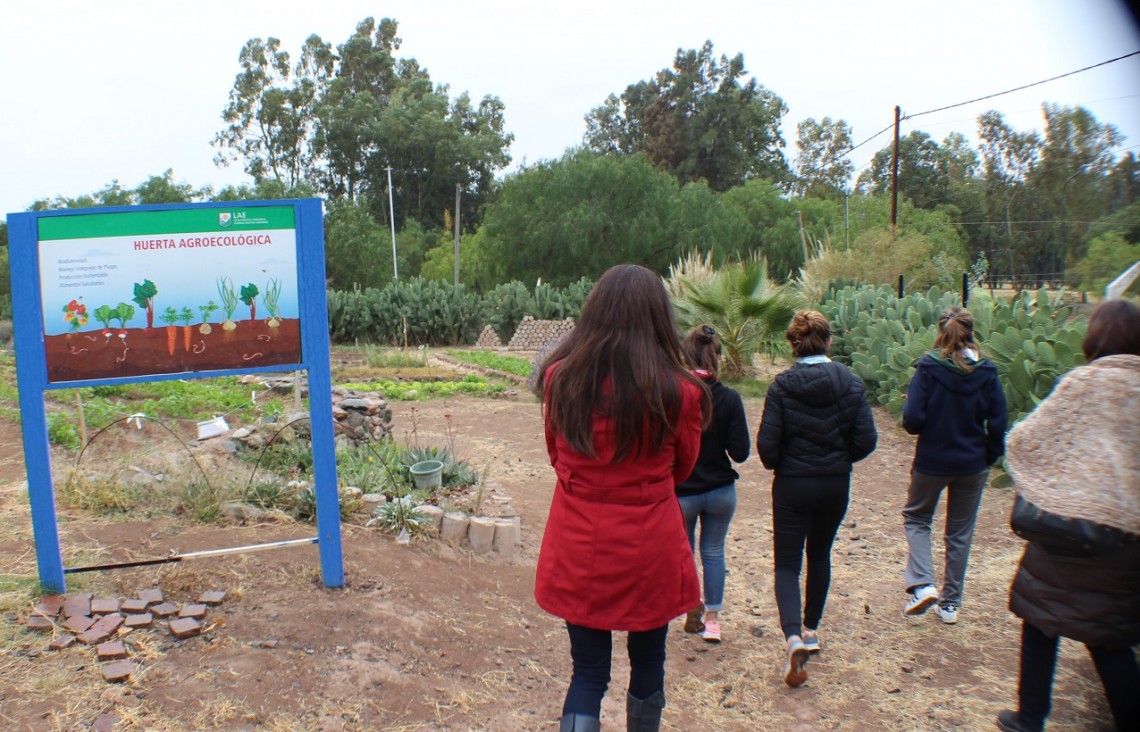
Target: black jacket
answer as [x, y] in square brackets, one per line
[959, 417]
[726, 437]
[816, 421]
[1095, 601]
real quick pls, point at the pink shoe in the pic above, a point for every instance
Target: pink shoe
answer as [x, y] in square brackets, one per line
[711, 633]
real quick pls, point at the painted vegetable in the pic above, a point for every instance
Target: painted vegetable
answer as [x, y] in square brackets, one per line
[207, 311]
[272, 298]
[229, 302]
[144, 296]
[249, 297]
[170, 317]
[186, 315]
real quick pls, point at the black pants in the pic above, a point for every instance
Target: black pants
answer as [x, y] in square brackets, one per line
[1117, 669]
[805, 510]
[590, 652]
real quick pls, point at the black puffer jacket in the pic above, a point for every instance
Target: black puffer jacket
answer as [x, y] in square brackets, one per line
[1095, 601]
[816, 421]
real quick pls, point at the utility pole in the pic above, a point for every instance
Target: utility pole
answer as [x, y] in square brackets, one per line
[846, 225]
[895, 176]
[458, 191]
[392, 219]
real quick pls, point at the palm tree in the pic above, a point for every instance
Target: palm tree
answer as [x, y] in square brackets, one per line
[749, 313]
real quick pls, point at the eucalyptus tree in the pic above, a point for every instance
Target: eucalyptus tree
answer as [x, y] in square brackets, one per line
[700, 119]
[271, 110]
[823, 169]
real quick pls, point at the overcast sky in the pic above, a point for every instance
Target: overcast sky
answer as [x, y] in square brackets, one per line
[121, 90]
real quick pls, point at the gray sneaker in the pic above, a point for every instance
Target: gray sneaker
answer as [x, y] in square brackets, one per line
[948, 613]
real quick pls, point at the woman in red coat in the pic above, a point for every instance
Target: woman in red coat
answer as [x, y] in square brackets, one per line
[623, 420]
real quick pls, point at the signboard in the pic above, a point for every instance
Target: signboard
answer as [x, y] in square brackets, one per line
[145, 293]
[171, 291]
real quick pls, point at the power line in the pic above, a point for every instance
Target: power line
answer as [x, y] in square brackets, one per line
[1024, 86]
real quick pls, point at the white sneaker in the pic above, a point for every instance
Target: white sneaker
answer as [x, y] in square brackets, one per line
[948, 613]
[921, 600]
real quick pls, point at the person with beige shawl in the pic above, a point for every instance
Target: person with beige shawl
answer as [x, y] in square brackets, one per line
[1077, 456]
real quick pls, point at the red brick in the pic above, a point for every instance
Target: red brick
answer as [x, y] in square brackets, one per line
[185, 627]
[60, 642]
[212, 597]
[164, 609]
[138, 620]
[192, 611]
[111, 651]
[77, 605]
[109, 623]
[133, 605]
[78, 623]
[51, 604]
[152, 596]
[118, 671]
[39, 623]
[104, 605]
[94, 636]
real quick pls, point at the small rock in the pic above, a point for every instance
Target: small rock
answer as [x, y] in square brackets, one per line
[60, 642]
[133, 605]
[105, 722]
[907, 669]
[152, 596]
[212, 597]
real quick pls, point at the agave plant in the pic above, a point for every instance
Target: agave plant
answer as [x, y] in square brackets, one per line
[749, 312]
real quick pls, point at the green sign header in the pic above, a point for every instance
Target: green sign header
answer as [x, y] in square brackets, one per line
[180, 221]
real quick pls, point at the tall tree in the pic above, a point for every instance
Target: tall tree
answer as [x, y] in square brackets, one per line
[271, 110]
[699, 119]
[575, 217]
[822, 168]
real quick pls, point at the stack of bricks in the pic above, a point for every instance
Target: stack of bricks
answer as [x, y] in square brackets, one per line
[489, 338]
[99, 621]
[531, 335]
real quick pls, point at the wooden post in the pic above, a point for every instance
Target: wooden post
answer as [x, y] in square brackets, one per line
[895, 175]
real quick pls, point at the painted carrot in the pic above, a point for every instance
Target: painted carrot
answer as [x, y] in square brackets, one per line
[170, 317]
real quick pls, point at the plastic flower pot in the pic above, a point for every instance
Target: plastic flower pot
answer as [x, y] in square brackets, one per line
[428, 474]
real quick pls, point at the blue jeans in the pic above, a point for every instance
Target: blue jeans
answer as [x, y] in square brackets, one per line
[714, 509]
[590, 651]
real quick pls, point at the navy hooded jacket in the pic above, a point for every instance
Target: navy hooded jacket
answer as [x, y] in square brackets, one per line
[959, 417]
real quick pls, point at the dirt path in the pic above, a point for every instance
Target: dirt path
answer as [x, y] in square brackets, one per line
[428, 637]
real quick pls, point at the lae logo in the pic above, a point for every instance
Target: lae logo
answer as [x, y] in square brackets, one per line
[225, 219]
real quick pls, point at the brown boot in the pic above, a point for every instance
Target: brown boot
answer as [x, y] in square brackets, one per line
[695, 619]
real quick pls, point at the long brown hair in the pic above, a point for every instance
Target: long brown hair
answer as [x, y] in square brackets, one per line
[622, 362]
[955, 335]
[702, 349]
[1114, 328]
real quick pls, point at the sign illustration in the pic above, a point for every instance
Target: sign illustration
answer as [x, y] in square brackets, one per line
[161, 292]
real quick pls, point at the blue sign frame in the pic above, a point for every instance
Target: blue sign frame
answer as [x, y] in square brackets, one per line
[33, 381]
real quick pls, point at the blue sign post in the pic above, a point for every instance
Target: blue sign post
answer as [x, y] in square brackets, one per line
[78, 269]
